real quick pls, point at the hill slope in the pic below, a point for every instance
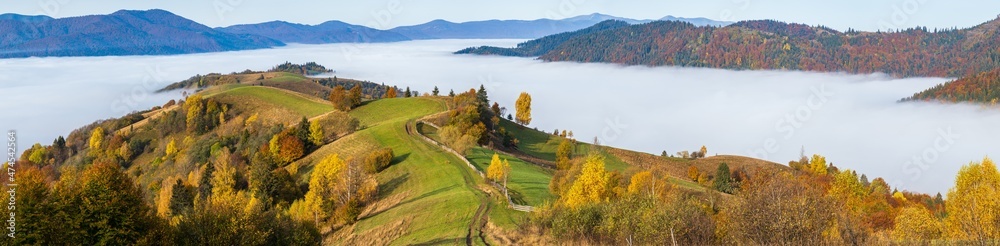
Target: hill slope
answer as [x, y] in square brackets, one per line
[766, 44]
[126, 32]
[980, 88]
[327, 32]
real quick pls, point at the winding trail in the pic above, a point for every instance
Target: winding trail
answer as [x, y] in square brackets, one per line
[510, 203]
[480, 217]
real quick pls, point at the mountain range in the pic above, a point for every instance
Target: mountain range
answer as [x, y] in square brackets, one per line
[159, 32]
[520, 29]
[125, 32]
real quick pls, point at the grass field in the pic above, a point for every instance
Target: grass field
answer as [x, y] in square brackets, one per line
[285, 77]
[528, 184]
[309, 107]
[390, 110]
[436, 188]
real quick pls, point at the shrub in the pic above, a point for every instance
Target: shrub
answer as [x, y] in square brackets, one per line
[378, 160]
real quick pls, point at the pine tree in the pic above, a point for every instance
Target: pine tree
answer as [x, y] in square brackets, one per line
[482, 97]
[723, 180]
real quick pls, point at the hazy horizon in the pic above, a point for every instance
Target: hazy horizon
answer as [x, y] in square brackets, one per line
[840, 15]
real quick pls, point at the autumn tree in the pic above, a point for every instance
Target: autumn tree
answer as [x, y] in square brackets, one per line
[355, 95]
[523, 106]
[646, 183]
[915, 224]
[693, 173]
[591, 186]
[111, 209]
[704, 151]
[34, 203]
[171, 148]
[319, 199]
[316, 133]
[339, 98]
[974, 202]
[222, 176]
[96, 140]
[195, 109]
[817, 165]
[778, 209]
[498, 171]
[378, 160]
[391, 92]
[563, 154]
[286, 147]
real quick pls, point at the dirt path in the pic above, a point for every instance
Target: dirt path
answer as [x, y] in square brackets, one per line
[481, 216]
[148, 116]
[478, 222]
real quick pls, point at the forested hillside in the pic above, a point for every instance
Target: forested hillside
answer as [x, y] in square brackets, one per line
[277, 158]
[980, 88]
[768, 44]
[776, 45]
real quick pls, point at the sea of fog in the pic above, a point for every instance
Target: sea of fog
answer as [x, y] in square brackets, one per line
[853, 120]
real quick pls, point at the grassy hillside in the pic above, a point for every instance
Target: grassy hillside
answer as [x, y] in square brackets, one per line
[528, 184]
[308, 107]
[427, 196]
[543, 145]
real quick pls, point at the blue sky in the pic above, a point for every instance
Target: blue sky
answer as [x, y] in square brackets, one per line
[842, 14]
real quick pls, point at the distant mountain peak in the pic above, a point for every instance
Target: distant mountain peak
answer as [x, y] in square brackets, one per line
[440, 21]
[25, 18]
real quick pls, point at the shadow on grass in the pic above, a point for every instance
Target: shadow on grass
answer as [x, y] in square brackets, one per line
[398, 159]
[425, 195]
[389, 186]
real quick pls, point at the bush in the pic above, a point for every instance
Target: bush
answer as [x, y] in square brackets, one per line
[378, 160]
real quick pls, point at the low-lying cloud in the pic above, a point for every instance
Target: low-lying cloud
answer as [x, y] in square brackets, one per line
[853, 120]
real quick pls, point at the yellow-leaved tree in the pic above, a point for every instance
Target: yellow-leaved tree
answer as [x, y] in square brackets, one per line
[316, 133]
[96, 139]
[523, 106]
[171, 147]
[817, 165]
[321, 186]
[498, 171]
[646, 183]
[223, 178]
[974, 204]
[591, 186]
[563, 154]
